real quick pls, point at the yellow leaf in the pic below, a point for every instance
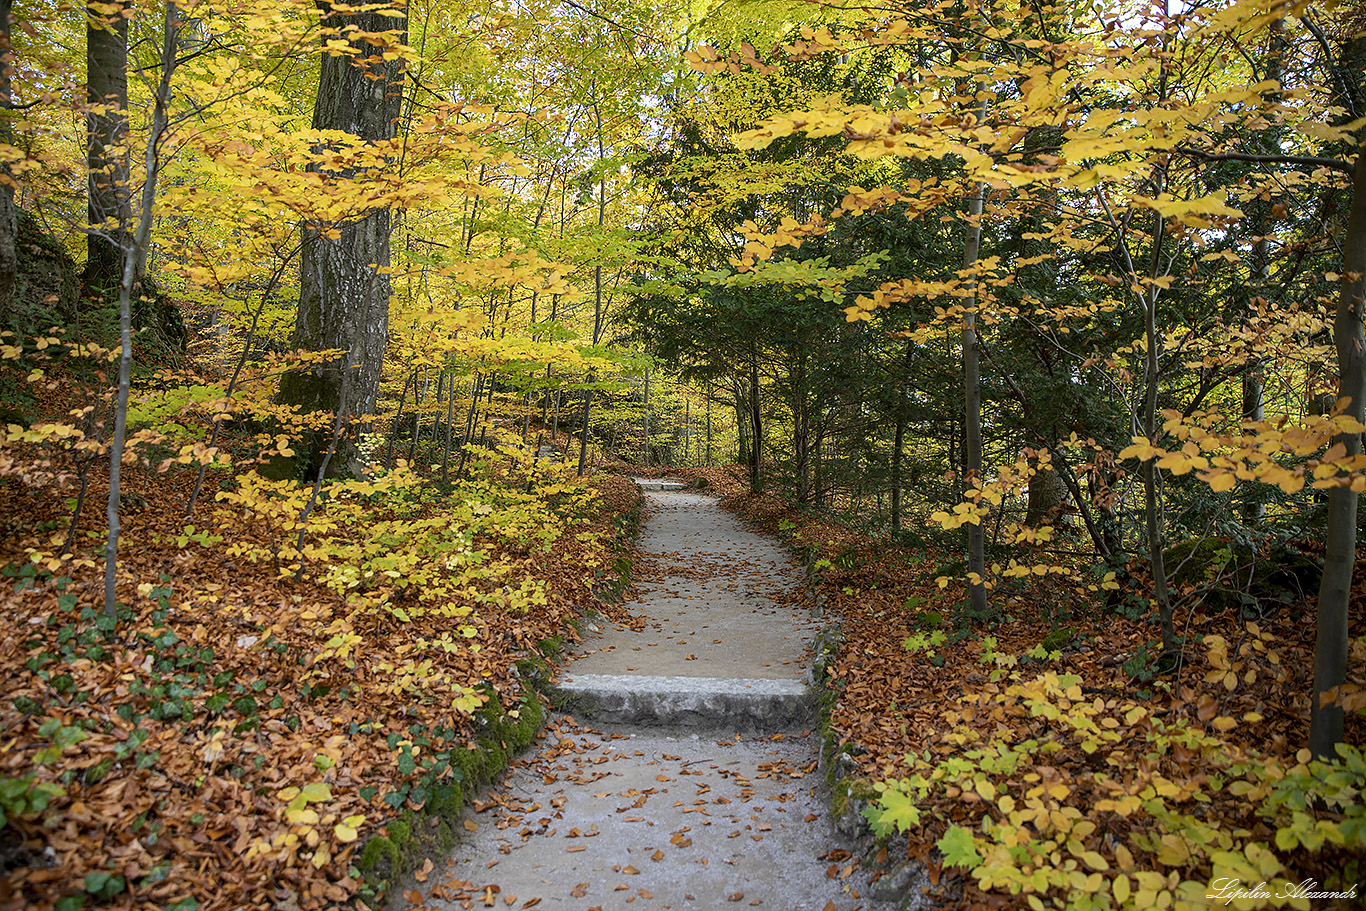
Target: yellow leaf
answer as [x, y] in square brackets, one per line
[1120, 887]
[1221, 481]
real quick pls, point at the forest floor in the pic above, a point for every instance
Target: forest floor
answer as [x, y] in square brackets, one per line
[236, 735]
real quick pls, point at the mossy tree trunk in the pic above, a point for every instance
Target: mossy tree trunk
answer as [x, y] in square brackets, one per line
[110, 208]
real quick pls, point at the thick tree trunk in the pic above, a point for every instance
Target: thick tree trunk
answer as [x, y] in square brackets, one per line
[1330, 651]
[110, 207]
[343, 285]
[1046, 494]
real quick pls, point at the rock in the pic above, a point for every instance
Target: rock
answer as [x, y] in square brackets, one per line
[898, 882]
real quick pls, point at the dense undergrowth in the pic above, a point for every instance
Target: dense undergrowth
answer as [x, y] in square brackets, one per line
[280, 703]
[1047, 756]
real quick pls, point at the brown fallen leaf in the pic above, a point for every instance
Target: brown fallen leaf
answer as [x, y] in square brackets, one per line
[622, 888]
[658, 855]
[579, 891]
[574, 849]
[735, 896]
[630, 870]
[531, 903]
[421, 875]
[471, 826]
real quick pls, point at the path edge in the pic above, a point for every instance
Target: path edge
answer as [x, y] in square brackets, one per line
[429, 833]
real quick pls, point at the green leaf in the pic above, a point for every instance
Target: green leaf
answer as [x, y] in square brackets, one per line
[317, 792]
[893, 810]
[959, 848]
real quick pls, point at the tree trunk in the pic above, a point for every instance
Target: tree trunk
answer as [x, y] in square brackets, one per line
[972, 403]
[645, 455]
[708, 425]
[9, 225]
[1152, 503]
[583, 435]
[756, 443]
[1253, 376]
[1046, 494]
[1340, 540]
[133, 254]
[343, 285]
[107, 186]
[899, 441]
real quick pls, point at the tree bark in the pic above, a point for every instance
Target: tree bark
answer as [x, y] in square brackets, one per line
[133, 256]
[899, 442]
[972, 403]
[756, 443]
[343, 286]
[1340, 540]
[107, 184]
[9, 224]
[1253, 377]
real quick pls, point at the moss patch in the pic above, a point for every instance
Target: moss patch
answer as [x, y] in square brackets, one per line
[430, 831]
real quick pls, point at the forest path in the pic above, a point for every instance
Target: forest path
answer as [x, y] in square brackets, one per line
[687, 776]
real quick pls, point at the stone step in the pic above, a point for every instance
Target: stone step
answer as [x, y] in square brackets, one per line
[746, 705]
[661, 484]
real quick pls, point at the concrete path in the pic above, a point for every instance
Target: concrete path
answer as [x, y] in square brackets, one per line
[686, 775]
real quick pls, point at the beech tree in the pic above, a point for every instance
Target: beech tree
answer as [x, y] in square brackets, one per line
[344, 283]
[107, 153]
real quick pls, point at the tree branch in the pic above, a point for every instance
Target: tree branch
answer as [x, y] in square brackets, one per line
[1336, 164]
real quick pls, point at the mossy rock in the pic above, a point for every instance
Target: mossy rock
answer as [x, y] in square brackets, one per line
[400, 830]
[853, 788]
[1056, 640]
[431, 831]
[447, 799]
[1232, 574]
[1201, 560]
[381, 859]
